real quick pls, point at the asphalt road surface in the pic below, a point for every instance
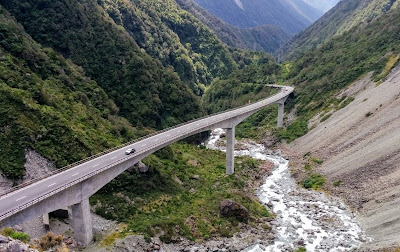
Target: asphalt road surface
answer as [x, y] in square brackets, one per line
[26, 194]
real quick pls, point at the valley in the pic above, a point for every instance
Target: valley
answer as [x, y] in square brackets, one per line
[81, 77]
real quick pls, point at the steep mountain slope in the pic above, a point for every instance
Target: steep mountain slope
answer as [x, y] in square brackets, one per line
[321, 73]
[291, 15]
[346, 15]
[360, 150]
[145, 92]
[175, 37]
[266, 38]
[49, 105]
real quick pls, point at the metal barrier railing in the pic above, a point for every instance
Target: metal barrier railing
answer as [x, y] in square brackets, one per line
[15, 188]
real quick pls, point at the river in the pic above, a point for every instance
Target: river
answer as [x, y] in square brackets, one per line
[304, 218]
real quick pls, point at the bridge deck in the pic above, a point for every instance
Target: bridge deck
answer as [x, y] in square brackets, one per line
[31, 194]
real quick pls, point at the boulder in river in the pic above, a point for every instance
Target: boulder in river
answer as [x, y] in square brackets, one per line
[230, 208]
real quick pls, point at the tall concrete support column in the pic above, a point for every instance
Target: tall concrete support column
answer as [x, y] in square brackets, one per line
[82, 222]
[230, 145]
[281, 107]
[46, 221]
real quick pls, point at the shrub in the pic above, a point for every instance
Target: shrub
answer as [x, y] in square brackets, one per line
[15, 235]
[337, 183]
[50, 240]
[314, 181]
[316, 160]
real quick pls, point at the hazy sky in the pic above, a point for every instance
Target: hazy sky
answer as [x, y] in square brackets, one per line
[323, 5]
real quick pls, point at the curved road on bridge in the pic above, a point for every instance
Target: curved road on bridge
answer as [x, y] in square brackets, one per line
[29, 195]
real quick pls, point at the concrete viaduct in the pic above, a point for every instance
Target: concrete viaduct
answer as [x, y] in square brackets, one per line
[73, 185]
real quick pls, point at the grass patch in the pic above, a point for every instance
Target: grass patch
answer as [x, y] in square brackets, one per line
[392, 61]
[9, 232]
[161, 202]
[314, 181]
[326, 117]
[316, 160]
[296, 129]
[337, 183]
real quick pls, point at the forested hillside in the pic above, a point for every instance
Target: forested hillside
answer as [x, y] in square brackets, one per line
[48, 104]
[320, 74]
[146, 92]
[175, 37]
[346, 15]
[266, 38]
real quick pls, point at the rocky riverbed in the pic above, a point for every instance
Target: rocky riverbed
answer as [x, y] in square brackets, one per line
[304, 218]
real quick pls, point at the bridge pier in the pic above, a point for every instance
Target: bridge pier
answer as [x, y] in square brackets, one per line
[82, 222]
[230, 146]
[281, 107]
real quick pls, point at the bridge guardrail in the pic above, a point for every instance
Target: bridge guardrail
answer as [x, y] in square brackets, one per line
[78, 180]
[15, 188]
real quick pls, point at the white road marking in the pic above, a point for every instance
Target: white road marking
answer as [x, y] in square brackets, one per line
[144, 145]
[114, 157]
[168, 135]
[75, 174]
[51, 185]
[20, 198]
[156, 140]
[95, 165]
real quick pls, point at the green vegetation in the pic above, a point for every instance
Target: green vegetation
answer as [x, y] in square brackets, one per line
[266, 38]
[337, 183]
[297, 129]
[249, 83]
[50, 240]
[171, 200]
[145, 92]
[301, 249]
[314, 181]
[316, 160]
[175, 37]
[9, 232]
[49, 105]
[343, 18]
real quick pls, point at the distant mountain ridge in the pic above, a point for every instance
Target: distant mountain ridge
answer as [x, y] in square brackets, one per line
[266, 38]
[291, 15]
[343, 17]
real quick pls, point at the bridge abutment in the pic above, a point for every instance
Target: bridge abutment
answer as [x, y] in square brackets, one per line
[82, 222]
[230, 146]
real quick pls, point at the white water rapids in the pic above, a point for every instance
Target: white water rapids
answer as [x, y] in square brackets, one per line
[304, 218]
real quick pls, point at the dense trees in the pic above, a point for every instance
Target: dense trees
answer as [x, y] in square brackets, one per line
[175, 37]
[141, 87]
[48, 104]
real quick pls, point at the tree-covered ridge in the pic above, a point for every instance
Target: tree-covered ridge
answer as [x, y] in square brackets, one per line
[343, 17]
[318, 75]
[145, 92]
[48, 104]
[175, 37]
[343, 59]
[247, 83]
[266, 38]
